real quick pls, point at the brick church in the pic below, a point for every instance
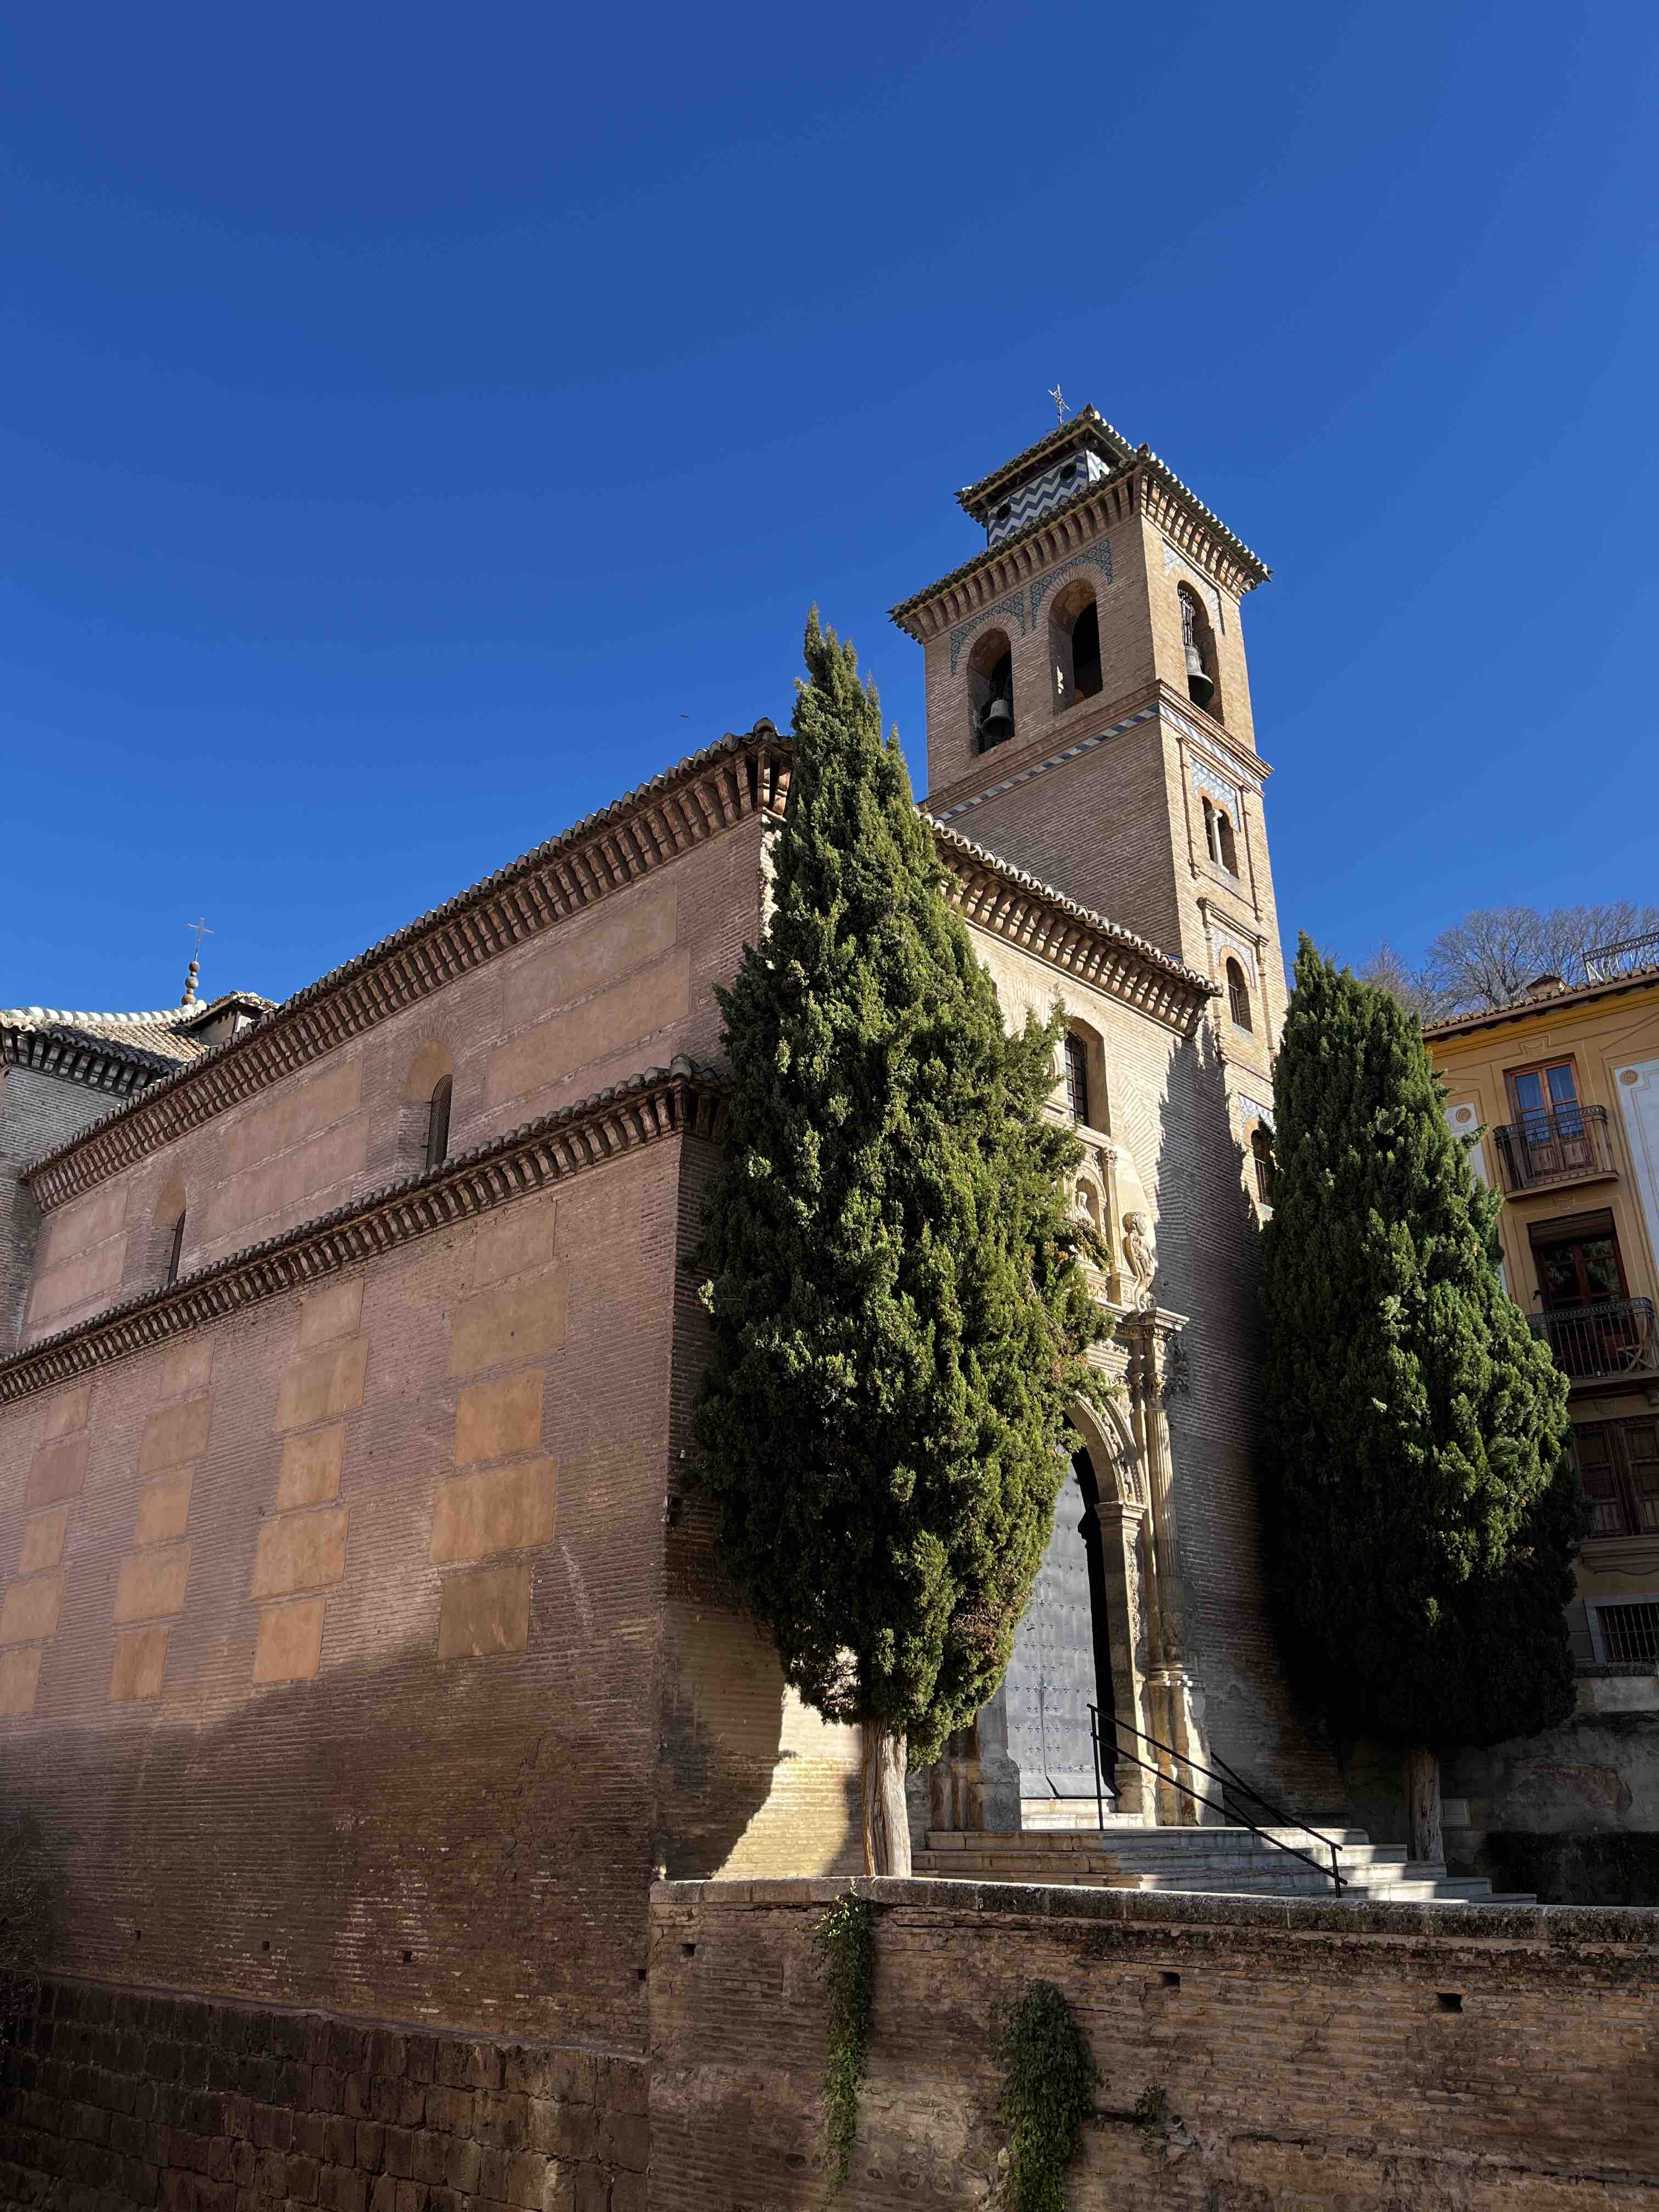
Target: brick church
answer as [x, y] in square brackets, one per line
[359, 1648]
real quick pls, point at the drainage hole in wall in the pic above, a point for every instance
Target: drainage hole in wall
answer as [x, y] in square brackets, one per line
[137, 1935]
[642, 1973]
[1448, 2001]
[408, 1958]
[265, 1946]
[1172, 1981]
[690, 1950]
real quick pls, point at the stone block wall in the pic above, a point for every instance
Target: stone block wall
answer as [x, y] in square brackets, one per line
[113, 2098]
[1253, 2052]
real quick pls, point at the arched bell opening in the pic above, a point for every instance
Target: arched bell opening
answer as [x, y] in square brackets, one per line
[991, 691]
[1075, 645]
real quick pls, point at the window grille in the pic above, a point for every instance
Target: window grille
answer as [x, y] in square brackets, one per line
[1077, 1078]
[1238, 995]
[1629, 1633]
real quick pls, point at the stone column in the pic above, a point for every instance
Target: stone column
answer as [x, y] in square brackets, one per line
[1173, 1697]
[974, 1785]
[1127, 1594]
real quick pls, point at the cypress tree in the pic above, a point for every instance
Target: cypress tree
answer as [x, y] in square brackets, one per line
[898, 1317]
[1423, 1511]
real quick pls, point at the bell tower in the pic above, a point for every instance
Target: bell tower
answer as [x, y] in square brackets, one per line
[1088, 714]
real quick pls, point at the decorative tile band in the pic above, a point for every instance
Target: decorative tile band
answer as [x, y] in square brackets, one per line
[1015, 606]
[1097, 555]
[1064, 481]
[1041, 767]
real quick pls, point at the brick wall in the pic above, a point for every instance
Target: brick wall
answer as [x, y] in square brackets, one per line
[329, 1634]
[588, 1002]
[36, 1112]
[1305, 2055]
[116, 2098]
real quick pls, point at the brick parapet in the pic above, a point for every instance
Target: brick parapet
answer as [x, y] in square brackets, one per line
[1253, 2052]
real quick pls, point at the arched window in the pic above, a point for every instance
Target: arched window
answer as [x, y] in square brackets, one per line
[1239, 996]
[1227, 851]
[1075, 645]
[437, 1124]
[1076, 1078]
[1262, 1159]
[1211, 842]
[175, 1252]
[991, 691]
[1199, 645]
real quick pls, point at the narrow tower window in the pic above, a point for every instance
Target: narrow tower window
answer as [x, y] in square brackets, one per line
[1239, 996]
[1227, 851]
[1085, 651]
[175, 1252]
[1211, 842]
[1074, 644]
[437, 1127]
[1076, 1078]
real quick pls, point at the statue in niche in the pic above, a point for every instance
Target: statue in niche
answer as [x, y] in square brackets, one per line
[1141, 1254]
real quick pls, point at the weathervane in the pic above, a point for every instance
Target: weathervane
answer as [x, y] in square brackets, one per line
[1057, 397]
[195, 968]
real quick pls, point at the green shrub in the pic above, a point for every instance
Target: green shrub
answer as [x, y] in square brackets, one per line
[1050, 2079]
[846, 1943]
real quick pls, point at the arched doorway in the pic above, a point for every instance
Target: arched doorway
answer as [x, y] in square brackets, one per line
[1082, 1640]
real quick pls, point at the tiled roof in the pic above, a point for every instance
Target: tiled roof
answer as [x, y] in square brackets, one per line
[491, 913]
[1114, 932]
[162, 1039]
[1086, 428]
[1632, 979]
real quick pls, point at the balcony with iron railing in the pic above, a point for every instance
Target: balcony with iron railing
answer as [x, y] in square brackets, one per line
[1571, 1145]
[1596, 1342]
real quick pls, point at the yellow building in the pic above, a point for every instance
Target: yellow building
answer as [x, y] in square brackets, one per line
[1563, 1090]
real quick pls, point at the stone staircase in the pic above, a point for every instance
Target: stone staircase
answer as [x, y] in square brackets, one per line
[1217, 1862]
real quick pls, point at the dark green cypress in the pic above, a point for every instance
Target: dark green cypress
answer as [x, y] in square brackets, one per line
[1423, 1510]
[899, 1319]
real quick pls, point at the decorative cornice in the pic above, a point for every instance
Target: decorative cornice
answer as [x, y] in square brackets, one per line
[991, 894]
[683, 1099]
[1143, 485]
[705, 794]
[94, 1062]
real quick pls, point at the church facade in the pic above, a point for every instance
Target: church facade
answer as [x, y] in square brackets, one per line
[361, 1644]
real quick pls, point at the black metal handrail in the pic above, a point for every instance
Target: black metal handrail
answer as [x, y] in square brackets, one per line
[1559, 1146]
[1607, 1336]
[1228, 1812]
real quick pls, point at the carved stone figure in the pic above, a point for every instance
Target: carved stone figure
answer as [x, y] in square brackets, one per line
[1142, 1255]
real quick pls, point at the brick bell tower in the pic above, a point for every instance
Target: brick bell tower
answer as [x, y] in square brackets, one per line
[1088, 716]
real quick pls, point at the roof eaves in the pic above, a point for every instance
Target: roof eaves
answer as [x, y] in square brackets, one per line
[693, 764]
[1632, 979]
[1087, 424]
[1113, 932]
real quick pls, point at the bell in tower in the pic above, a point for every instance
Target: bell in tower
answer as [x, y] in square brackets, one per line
[1201, 685]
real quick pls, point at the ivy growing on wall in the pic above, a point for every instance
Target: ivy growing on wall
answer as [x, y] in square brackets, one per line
[845, 1940]
[1050, 2079]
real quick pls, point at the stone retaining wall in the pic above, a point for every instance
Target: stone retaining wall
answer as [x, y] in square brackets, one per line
[1297, 2053]
[113, 2098]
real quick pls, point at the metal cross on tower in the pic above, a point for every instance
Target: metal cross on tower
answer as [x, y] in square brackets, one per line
[195, 968]
[1057, 397]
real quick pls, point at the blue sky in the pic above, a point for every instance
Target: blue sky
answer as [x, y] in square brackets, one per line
[419, 425]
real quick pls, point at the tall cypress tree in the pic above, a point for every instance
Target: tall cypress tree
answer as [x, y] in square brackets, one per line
[899, 1319]
[1424, 1513]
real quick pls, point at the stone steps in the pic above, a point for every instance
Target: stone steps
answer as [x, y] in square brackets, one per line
[1203, 1861]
